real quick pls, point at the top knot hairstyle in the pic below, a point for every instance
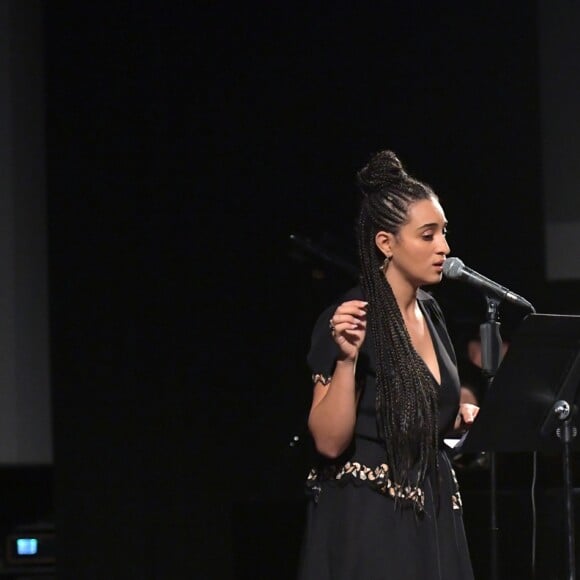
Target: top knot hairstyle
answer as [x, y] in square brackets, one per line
[406, 400]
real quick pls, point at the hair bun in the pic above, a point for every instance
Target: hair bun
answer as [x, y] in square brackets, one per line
[383, 168]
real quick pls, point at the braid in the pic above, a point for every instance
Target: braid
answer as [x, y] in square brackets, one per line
[406, 399]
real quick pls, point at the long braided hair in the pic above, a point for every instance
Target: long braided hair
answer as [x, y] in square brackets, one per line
[406, 399]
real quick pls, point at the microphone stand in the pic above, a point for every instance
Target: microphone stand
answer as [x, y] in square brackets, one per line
[491, 343]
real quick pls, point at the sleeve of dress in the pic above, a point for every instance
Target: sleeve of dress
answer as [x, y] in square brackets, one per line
[323, 350]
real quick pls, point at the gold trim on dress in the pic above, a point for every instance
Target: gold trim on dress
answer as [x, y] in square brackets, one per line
[378, 479]
[320, 378]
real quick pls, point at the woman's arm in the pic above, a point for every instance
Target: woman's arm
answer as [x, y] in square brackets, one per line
[333, 412]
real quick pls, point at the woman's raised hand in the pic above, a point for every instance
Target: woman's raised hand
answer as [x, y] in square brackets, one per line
[348, 325]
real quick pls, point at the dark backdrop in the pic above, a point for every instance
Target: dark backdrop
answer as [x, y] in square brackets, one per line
[186, 143]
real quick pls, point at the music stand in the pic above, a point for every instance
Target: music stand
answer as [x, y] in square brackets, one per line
[533, 398]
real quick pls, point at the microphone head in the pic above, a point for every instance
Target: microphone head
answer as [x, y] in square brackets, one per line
[453, 268]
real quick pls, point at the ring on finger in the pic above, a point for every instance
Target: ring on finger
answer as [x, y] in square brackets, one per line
[331, 325]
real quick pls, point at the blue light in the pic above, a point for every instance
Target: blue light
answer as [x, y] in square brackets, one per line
[26, 546]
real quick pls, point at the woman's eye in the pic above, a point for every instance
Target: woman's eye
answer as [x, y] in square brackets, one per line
[445, 231]
[427, 236]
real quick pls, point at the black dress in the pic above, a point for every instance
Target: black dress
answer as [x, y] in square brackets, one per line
[354, 530]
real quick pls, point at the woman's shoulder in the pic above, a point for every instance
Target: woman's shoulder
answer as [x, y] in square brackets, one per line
[354, 293]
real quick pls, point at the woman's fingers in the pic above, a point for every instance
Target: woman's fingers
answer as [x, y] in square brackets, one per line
[348, 326]
[345, 321]
[348, 316]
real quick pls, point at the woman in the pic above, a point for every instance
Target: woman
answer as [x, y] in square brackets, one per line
[385, 503]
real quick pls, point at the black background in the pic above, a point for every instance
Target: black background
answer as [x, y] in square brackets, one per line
[186, 142]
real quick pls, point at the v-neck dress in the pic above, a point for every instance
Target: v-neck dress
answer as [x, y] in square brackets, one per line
[354, 529]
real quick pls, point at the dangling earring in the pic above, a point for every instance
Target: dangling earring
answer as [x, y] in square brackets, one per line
[385, 264]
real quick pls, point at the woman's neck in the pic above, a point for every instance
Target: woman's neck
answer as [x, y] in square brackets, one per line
[405, 295]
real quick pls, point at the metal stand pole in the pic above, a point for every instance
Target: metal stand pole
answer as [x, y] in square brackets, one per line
[491, 354]
[566, 432]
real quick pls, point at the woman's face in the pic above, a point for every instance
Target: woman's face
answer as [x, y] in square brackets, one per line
[419, 249]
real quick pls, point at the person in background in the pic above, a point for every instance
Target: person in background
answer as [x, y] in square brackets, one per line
[472, 378]
[384, 501]
[473, 388]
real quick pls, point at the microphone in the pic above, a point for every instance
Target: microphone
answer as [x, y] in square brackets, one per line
[455, 269]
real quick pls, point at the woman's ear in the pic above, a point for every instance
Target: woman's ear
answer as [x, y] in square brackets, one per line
[384, 242]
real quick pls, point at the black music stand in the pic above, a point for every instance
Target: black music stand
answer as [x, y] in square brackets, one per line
[531, 404]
